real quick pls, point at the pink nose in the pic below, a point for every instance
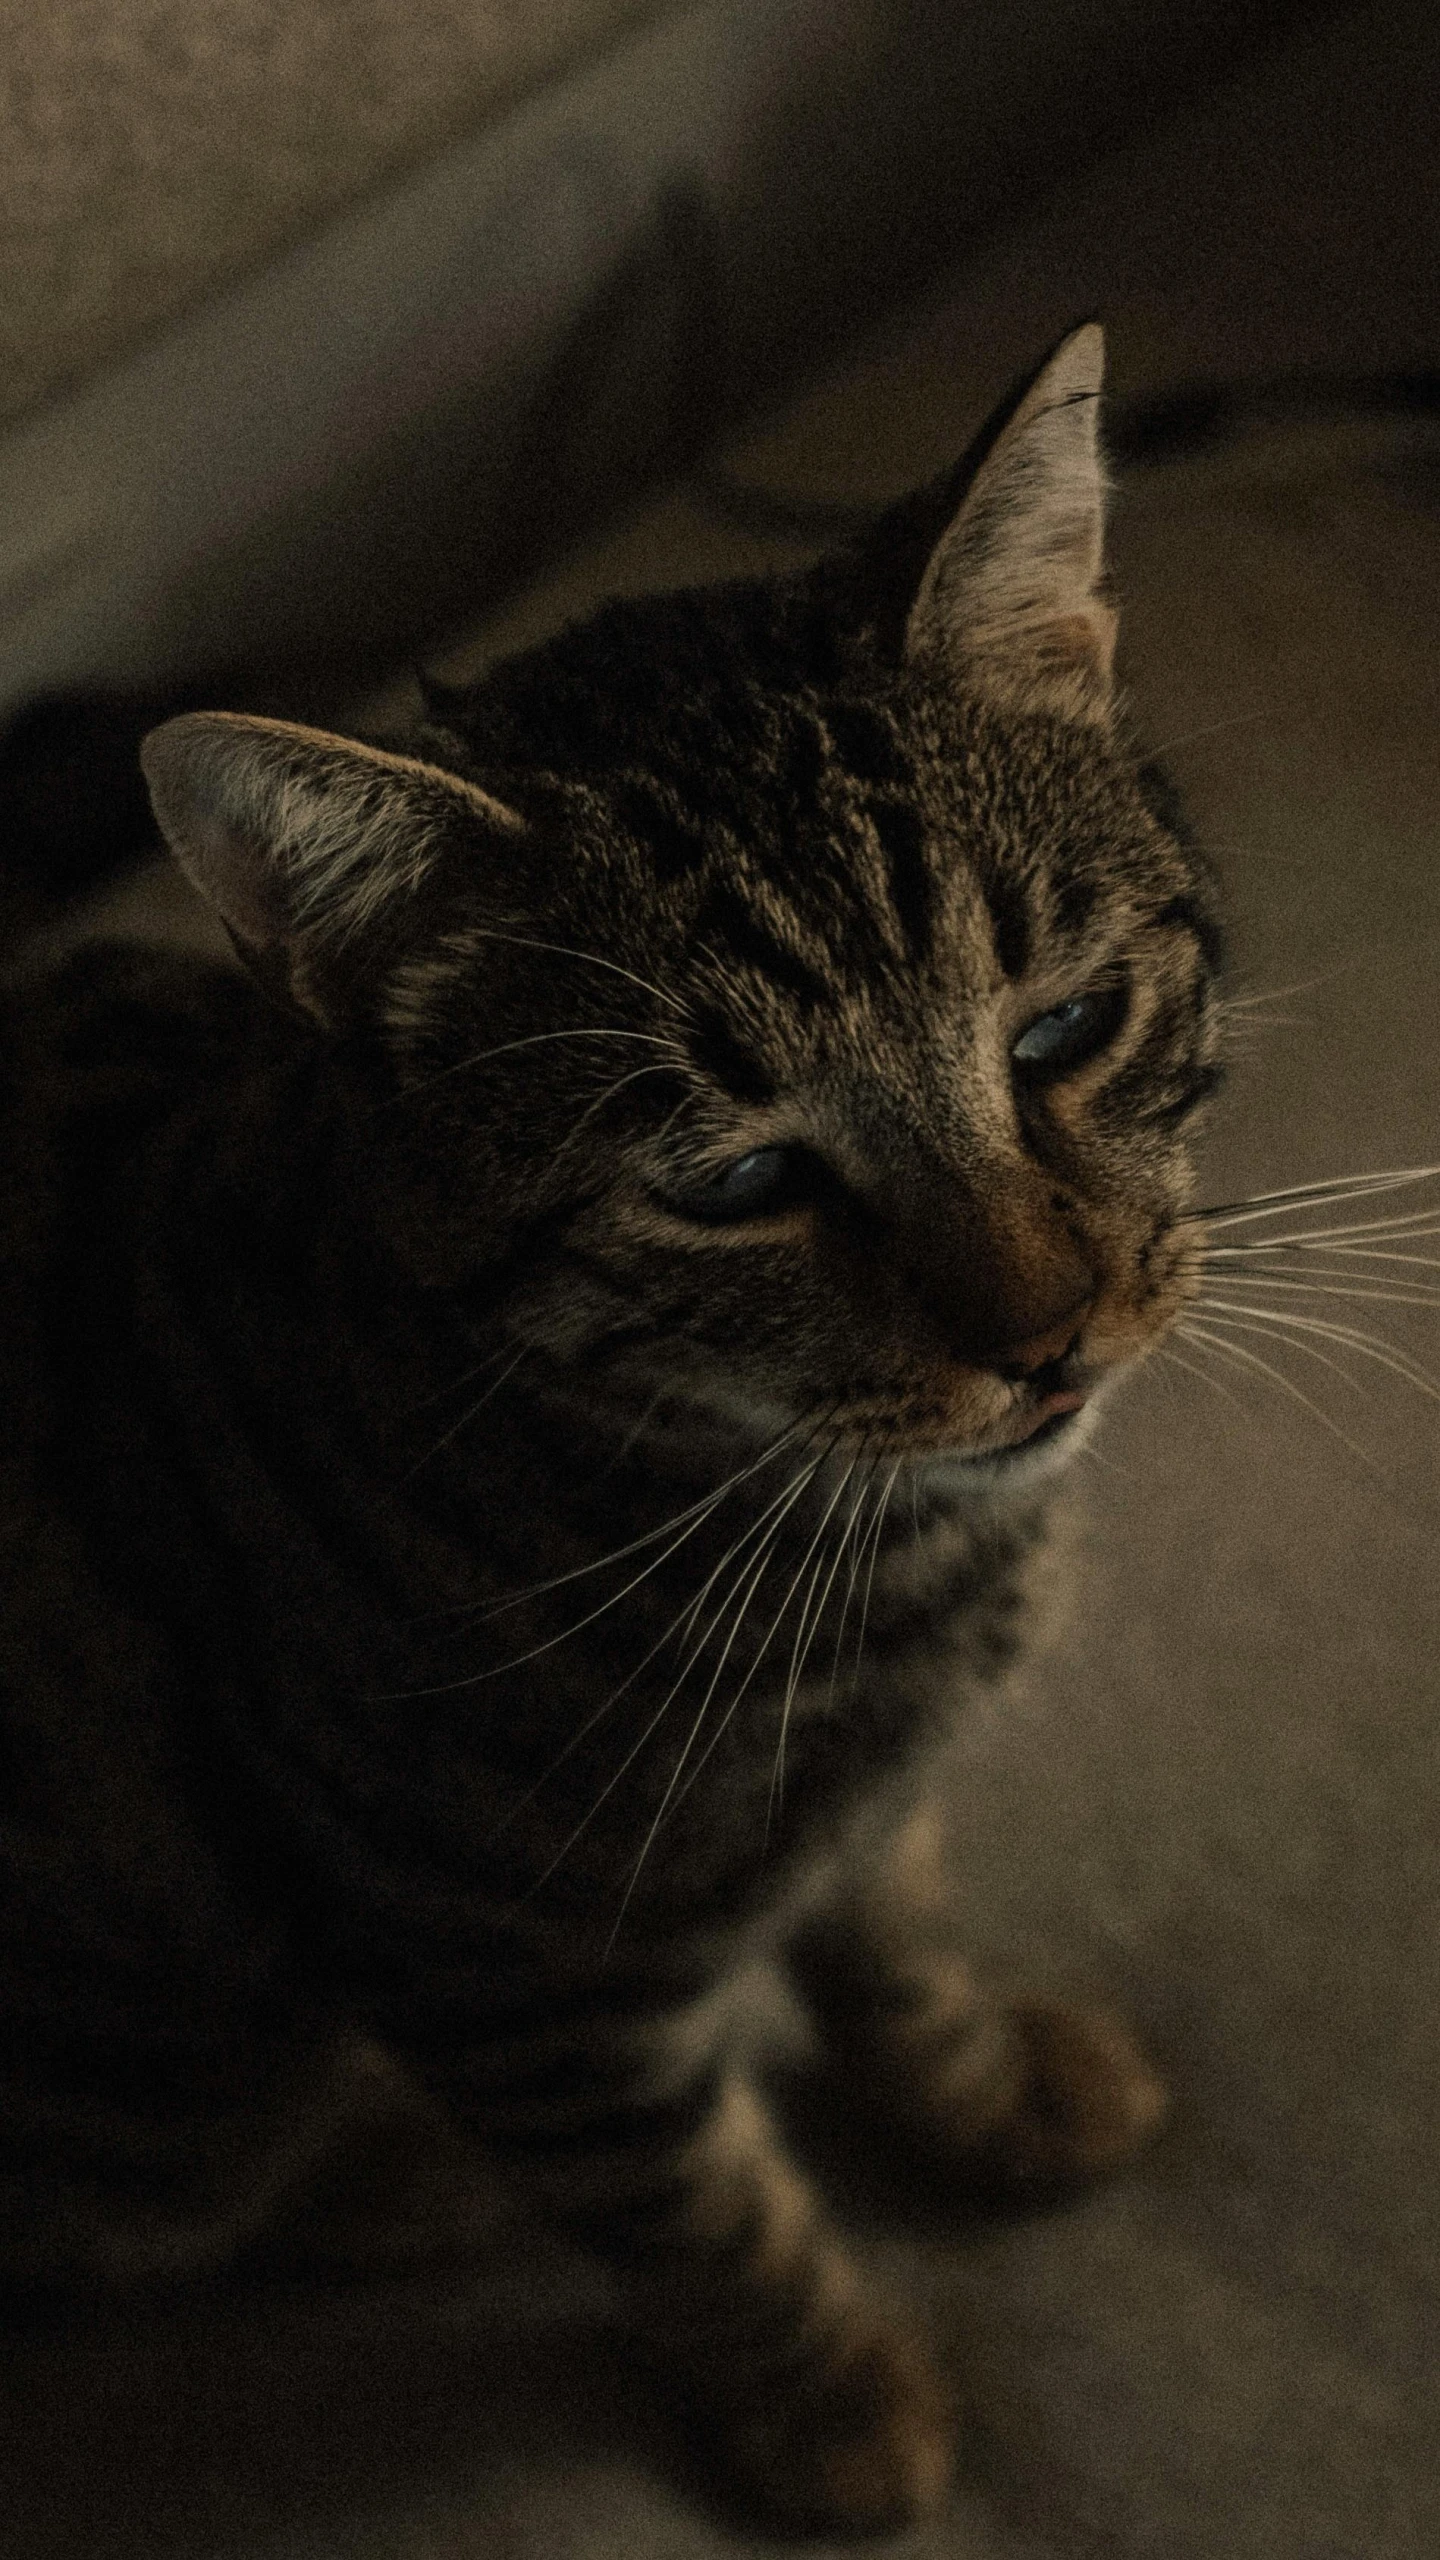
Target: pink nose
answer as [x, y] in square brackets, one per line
[1023, 1359]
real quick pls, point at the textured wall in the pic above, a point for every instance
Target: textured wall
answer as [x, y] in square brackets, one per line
[151, 150]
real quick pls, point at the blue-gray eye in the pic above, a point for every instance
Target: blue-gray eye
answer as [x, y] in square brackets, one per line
[1070, 1033]
[755, 1185]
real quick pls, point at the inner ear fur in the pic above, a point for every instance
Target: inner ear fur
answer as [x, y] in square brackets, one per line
[1011, 595]
[311, 847]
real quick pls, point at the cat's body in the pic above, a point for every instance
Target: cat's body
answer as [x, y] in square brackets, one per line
[518, 1460]
[283, 1702]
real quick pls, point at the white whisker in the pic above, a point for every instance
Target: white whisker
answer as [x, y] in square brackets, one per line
[782, 1502]
[470, 1415]
[637, 1430]
[535, 1040]
[452, 1386]
[589, 959]
[1251, 1360]
[1293, 1327]
[657, 1067]
[757, 1572]
[1417, 1227]
[1212, 729]
[1328, 1285]
[857, 1548]
[1351, 1253]
[1193, 1369]
[800, 1648]
[698, 1513]
[660, 1713]
[874, 1538]
[1270, 995]
[1267, 1326]
[1339, 1187]
[695, 1511]
[760, 1653]
[684, 1617]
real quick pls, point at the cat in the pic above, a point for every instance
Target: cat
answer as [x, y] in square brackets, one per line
[531, 1409]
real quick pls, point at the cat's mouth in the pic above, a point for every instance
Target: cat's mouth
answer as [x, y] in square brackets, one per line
[1043, 1438]
[1049, 1432]
[1045, 1420]
[1039, 1439]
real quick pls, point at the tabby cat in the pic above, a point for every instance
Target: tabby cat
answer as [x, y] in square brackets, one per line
[525, 1426]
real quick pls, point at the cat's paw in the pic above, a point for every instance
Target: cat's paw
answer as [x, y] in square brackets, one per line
[861, 2443]
[1075, 2101]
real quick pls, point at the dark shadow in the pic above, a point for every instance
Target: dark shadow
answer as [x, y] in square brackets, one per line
[183, 2427]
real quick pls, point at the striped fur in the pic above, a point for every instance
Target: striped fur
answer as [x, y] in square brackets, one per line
[453, 1588]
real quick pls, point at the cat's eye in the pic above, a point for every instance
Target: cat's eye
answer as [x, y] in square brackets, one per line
[1069, 1034]
[754, 1186]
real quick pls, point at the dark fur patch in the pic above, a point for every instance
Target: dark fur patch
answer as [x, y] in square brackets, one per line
[1009, 908]
[901, 831]
[659, 2125]
[719, 1053]
[1190, 916]
[1074, 895]
[803, 762]
[867, 742]
[731, 927]
[1162, 1080]
[674, 841]
[1198, 1088]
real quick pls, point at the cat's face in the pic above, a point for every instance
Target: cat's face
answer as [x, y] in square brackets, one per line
[793, 1019]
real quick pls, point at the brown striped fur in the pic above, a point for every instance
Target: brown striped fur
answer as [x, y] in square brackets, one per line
[453, 1590]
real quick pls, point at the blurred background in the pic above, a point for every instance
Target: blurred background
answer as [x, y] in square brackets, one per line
[341, 337]
[324, 328]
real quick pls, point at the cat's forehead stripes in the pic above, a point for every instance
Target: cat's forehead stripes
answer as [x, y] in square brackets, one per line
[815, 854]
[1007, 898]
[797, 873]
[864, 879]
[747, 923]
[819, 847]
[842, 861]
[910, 876]
[843, 894]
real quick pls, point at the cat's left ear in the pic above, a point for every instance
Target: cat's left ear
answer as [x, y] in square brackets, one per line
[314, 849]
[1011, 595]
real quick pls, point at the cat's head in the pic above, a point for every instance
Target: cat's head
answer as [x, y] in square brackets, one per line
[791, 996]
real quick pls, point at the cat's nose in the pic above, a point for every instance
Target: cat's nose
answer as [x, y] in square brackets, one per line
[1020, 1362]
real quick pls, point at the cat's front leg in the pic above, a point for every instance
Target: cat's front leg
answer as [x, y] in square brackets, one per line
[809, 2398]
[1019, 2098]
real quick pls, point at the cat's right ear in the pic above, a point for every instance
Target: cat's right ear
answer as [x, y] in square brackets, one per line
[1012, 595]
[992, 579]
[313, 849]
